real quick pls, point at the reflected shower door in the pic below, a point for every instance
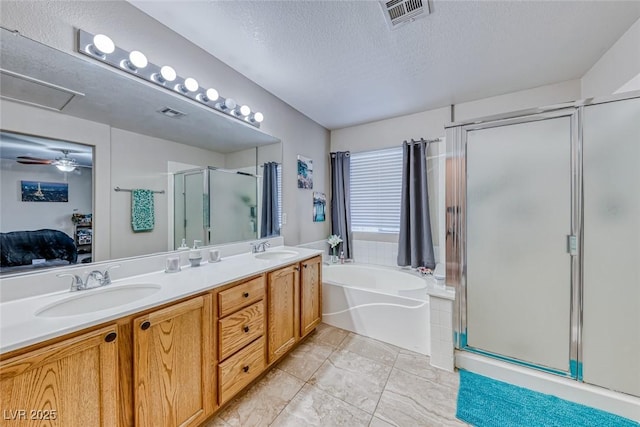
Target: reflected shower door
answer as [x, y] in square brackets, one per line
[233, 206]
[178, 210]
[194, 213]
[518, 276]
[611, 327]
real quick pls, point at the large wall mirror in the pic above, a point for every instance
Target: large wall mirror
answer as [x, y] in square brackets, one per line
[60, 108]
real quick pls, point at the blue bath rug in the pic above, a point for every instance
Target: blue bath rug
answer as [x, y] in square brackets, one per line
[484, 402]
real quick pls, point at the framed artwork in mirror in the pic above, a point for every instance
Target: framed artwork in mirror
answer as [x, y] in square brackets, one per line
[35, 191]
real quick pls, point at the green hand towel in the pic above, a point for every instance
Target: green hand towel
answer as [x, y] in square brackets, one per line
[142, 210]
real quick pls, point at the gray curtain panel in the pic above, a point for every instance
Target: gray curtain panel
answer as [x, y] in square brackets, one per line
[415, 245]
[341, 200]
[269, 225]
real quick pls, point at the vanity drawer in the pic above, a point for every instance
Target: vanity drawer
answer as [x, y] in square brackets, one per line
[240, 296]
[238, 329]
[240, 369]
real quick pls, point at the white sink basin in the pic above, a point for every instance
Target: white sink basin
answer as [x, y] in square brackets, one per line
[89, 301]
[276, 255]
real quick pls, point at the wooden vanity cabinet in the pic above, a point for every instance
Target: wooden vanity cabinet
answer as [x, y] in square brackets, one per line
[241, 342]
[310, 295]
[283, 310]
[169, 366]
[294, 298]
[72, 382]
[173, 376]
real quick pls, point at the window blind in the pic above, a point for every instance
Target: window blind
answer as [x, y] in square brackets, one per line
[376, 186]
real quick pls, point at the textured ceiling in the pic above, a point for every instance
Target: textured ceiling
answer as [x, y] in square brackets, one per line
[338, 62]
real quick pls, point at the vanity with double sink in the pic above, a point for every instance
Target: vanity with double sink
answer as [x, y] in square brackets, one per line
[155, 349]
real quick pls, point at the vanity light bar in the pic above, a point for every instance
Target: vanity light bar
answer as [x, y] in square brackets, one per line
[101, 48]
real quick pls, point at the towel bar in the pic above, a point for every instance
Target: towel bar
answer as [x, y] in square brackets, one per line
[130, 190]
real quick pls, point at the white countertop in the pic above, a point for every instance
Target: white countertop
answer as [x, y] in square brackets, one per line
[20, 326]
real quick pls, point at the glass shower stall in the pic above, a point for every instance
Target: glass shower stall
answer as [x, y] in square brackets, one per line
[215, 206]
[543, 239]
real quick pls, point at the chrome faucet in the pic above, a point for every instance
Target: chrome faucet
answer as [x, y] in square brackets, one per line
[260, 246]
[94, 279]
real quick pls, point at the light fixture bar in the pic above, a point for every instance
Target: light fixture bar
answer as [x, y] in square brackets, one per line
[101, 48]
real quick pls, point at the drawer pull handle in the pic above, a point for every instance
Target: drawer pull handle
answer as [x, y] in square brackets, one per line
[145, 325]
[246, 368]
[246, 294]
[296, 268]
[246, 329]
[304, 265]
[111, 336]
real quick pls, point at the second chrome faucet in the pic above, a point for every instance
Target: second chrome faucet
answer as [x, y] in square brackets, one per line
[94, 279]
[259, 246]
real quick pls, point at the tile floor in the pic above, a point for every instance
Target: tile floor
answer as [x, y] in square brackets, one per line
[337, 378]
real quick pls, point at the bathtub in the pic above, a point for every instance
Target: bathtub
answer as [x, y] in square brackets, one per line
[384, 303]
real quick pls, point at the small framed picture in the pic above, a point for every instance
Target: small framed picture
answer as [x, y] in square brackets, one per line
[305, 172]
[319, 206]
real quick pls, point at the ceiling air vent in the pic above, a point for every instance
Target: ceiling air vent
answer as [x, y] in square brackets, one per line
[400, 12]
[27, 90]
[170, 112]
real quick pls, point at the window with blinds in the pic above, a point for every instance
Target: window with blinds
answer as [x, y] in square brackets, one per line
[376, 184]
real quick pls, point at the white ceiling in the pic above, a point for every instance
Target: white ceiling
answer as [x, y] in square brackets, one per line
[339, 63]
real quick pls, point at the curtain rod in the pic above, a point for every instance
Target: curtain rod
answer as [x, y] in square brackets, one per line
[130, 190]
[428, 141]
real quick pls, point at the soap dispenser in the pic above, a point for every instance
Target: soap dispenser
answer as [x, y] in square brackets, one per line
[195, 256]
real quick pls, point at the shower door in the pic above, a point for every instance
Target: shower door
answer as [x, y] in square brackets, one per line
[611, 328]
[191, 217]
[520, 240]
[233, 206]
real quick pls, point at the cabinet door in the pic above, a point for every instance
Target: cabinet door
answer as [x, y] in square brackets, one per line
[310, 295]
[173, 365]
[283, 317]
[70, 383]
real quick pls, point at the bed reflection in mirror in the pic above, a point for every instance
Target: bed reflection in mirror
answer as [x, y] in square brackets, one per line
[47, 198]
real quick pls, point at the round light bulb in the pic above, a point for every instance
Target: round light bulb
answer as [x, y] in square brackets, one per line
[258, 117]
[230, 103]
[103, 44]
[138, 59]
[212, 94]
[168, 73]
[245, 110]
[191, 84]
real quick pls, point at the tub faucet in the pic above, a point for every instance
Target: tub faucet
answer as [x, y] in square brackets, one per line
[94, 279]
[260, 246]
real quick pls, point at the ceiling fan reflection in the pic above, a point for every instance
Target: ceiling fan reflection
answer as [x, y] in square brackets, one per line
[64, 164]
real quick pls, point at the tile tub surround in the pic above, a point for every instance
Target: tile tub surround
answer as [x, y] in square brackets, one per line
[368, 251]
[441, 324]
[408, 391]
[20, 327]
[380, 253]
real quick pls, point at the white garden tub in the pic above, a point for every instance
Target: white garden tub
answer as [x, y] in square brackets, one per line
[384, 303]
